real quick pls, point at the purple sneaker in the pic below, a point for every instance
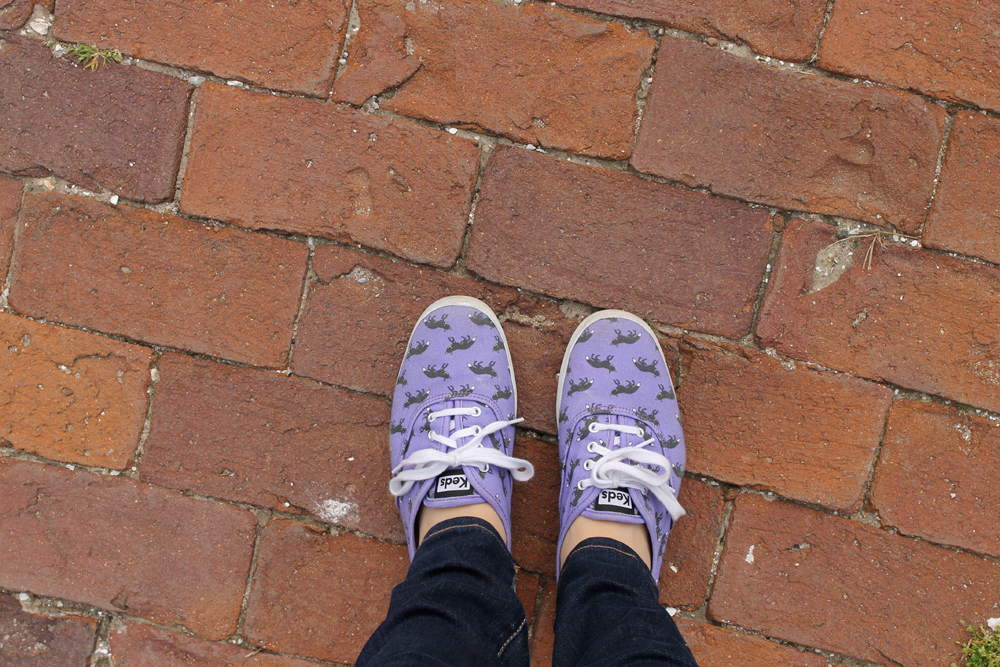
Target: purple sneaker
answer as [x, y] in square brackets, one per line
[452, 430]
[620, 439]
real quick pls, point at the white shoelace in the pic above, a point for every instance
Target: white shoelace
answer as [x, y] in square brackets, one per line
[609, 471]
[429, 463]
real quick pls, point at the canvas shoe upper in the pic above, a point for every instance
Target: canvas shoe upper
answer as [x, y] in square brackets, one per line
[620, 439]
[453, 415]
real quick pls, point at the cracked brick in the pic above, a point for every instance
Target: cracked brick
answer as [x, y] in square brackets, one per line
[231, 41]
[123, 546]
[30, 640]
[71, 396]
[325, 170]
[10, 206]
[712, 645]
[795, 141]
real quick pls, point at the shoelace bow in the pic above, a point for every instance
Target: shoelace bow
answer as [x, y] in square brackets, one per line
[429, 463]
[610, 470]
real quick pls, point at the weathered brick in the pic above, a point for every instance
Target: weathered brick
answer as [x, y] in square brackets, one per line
[535, 508]
[158, 278]
[773, 27]
[29, 640]
[320, 596]
[937, 476]
[57, 118]
[611, 239]
[13, 13]
[687, 563]
[528, 587]
[713, 646]
[10, 205]
[324, 170]
[273, 441]
[71, 396]
[944, 50]
[538, 74]
[917, 319]
[120, 545]
[543, 637]
[241, 41]
[965, 216]
[792, 573]
[359, 316]
[141, 645]
[791, 140]
[752, 420]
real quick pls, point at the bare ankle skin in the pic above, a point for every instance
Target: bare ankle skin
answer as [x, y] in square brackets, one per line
[635, 535]
[431, 516]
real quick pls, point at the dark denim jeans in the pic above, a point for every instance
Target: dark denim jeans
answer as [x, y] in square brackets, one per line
[457, 606]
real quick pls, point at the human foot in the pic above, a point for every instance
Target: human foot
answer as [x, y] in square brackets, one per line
[620, 439]
[452, 430]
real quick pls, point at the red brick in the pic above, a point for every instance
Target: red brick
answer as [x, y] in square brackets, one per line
[752, 420]
[29, 640]
[528, 587]
[286, 45]
[272, 441]
[611, 239]
[946, 51]
[691, 546]
[543, 638]
[790, 140]
[124, 546]
[713, 646]
[320, 596]
[917, 319]
[72, 396]
[141, 645]
[842, 586]
[10, 205]
[57, 119]
[773, 27]
[13, 13]
[535, 508]
[324, 170]
[965, 216]
[359, 316]
[937, 476]
[538, 74]
[158, 278]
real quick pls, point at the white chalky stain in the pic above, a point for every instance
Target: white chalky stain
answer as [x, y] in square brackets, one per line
[749, 556]
[335, 511]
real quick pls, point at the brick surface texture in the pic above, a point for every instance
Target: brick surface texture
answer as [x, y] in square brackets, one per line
[322, 170]
[917, 319]
[779, 29]
[320, 596]
[13, 13]
[713, 646]
[278, 442]
[947, 51]
[57, 118]
[937, 476]
[358, 318]
[739, 128]
[613, 240]
[124, 546]
[231, 41]
[71, 396]
[10, 205]
[30, 640]
[687, 562]
[538, 74]
[141, 645]
[752, 421]
[159, 278]
[965, 216]
[814, 579]
[535, 508]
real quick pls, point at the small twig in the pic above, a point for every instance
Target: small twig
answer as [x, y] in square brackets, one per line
[876, 236]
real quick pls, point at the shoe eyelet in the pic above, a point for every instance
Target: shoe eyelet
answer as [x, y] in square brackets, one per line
[431, 434]
[580, 485]
[588, 465]
[590, 447]
[479, 429]
[477, 411]
[593, 427]
[484, 468]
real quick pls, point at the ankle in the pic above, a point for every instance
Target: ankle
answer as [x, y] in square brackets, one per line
[633, 535]
[432, 516]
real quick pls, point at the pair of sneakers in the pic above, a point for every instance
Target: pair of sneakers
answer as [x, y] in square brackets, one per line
[453, 413]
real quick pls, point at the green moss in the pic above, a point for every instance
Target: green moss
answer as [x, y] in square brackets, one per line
[983, 649]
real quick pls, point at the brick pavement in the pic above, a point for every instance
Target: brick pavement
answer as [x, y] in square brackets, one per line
[206, 290]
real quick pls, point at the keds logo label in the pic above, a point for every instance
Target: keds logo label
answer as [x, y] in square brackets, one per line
[452, 483]
[614, 500]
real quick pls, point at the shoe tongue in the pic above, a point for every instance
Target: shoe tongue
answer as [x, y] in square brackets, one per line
[614, 500]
